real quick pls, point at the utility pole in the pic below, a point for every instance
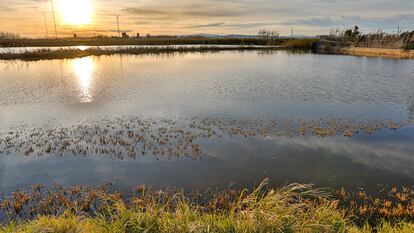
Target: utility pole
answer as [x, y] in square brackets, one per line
[117, 21]
[54, 20]
[291, 32]
[47, 30]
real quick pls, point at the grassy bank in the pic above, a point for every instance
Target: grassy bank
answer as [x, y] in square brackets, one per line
[44, 54]
[139, 41]
[172, 46]
[294, 208]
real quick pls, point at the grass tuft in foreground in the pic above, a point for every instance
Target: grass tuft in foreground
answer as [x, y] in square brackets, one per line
[294, 208]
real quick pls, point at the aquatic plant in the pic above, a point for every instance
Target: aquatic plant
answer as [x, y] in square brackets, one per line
[395, 205]
[125, 138]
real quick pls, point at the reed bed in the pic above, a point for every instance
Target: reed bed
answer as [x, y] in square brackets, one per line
[16, 42]
[378, 39]
[169, 47]
[383, 40]
[48, 54]
[292, 208]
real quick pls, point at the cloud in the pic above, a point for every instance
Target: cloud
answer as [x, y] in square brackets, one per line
[191, 11]
[219, 16]
[231, 26]
[367, 22]
[5, 8]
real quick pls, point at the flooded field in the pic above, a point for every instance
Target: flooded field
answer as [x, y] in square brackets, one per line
[207, 120]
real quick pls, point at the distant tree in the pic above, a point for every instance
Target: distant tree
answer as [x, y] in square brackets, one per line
[265, 33]
[9, 35]
[125, 35]
[268, 35]
[348, 33]
[352, 34]
[356, 31]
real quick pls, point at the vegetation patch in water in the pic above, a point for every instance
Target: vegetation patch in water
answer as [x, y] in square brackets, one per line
[124, 138]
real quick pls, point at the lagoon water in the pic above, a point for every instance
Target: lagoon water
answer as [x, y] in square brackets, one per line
[251, 85]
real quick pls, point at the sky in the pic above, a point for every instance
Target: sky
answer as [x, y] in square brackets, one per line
[181, 17]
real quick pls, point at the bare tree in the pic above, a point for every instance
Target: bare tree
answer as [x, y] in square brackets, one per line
[268, 35]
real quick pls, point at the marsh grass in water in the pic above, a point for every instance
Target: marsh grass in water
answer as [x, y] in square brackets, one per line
[130, 138]
[396, 204]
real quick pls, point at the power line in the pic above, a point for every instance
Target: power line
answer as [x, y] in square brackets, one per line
[54, 20]
[47, 30]
[117, 21]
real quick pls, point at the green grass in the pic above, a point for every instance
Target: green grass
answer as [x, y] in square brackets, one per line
[293, 208]
[409, 47]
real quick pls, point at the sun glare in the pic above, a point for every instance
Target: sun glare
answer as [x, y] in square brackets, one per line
[83, 69]
[76, 12]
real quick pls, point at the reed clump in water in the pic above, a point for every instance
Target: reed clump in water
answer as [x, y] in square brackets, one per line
[391, 205]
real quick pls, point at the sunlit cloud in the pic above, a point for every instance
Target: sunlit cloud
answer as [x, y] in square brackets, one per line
[206, 16]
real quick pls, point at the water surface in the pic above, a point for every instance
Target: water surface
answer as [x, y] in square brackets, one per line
[251, 85]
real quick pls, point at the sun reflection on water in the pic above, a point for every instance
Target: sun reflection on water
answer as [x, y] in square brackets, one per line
[83, 69]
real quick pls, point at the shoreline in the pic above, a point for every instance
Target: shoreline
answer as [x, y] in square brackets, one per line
[154, 41]
[47, 54]
[304, 208]
[47, 48]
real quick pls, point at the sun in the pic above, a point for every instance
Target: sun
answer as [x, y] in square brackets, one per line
[76, 12]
